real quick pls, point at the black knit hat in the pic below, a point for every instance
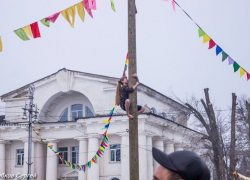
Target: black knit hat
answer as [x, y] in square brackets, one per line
[186, 163]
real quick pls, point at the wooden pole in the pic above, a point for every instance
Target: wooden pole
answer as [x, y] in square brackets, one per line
[133, 124]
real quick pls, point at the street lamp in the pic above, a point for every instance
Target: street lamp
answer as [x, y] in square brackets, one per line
[32, 114]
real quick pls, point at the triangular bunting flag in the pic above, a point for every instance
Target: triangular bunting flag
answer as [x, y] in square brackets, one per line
[173, 4]
[98, 154]
[248, 76]
[86, 5]
[35, 30]
[236, 66]
[27, 30]
[206, 38]
[201, 32]
[69, 12]
[211, 44]
[1, 44]
[81, 11]
[224, 56]
[53, 17]
[112, 5]
[45, 22]
[106, 121]
[92, 4]
[242, 71]
[218, 50]
[230, 60]
[20, 33]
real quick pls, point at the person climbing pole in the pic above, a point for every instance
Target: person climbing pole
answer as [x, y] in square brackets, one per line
[122, 93]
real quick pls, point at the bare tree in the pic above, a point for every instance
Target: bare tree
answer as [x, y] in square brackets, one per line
[213, 134]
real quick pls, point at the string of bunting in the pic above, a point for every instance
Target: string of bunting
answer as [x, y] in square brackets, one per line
[126, 65]
[33, 31]
[97, 155]
[212, 44]
[238, 176]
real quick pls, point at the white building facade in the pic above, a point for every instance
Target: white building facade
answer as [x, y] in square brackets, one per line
[73, 106]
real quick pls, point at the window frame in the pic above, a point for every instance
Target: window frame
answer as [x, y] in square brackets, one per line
[22, 157]
[77, 111]
[63, 113]
[63, 153]
[115, 150]
[86, 110]
[77, 155]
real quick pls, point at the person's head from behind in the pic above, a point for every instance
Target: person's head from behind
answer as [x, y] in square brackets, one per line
[180, 165]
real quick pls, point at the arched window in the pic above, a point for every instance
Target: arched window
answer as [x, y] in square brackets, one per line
[173, 118]
[88, 112]
[64, 115]
[153, 110]
[76, 111]
[114, 178]
[164, 115]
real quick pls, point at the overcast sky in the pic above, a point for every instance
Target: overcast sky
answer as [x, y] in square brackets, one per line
[170, 55]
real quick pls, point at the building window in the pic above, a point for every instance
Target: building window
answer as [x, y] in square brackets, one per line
[115, 179]
[173, 119]
[76, 111]
[115, 153]
[19, 156]
[164, 115]
[64, 115]
[64, 153]
[75, 155]
[88, 112]
[153, 110]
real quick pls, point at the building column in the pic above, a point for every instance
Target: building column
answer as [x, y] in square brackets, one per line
[142, 140]
[158, 143]
[25, 159]
[150, 167]
[52, 161]
[169, 147]
[93, 145]
[178, 147]
[2, 156]
[83, 155]
[125, 170]
[39, 161]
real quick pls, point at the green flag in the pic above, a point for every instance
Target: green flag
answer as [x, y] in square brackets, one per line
[20, 33]
[45, 22]
[224, 56]
[112, 5]
[201, 32]
[236, 66]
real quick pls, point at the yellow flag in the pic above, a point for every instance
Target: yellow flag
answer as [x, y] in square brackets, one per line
[101, 148]
[80, 10]
[127, 62]
[1, 45]
[96, 156]
[69, 15]
[106, 121]
[242, 71]
[27, 30]
[107, 135]
[206, 38]
[91, 162]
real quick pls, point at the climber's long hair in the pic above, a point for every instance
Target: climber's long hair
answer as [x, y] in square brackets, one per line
[118, 88]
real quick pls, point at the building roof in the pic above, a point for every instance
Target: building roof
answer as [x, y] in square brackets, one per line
[112, 80]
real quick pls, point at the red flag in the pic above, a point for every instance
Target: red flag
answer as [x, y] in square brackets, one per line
[124, 74]
[127, 56]
[248, 76]
[211, 44]
[104, 133]
[99, 152]
[104, 144]
[35, 30]
[93, 160]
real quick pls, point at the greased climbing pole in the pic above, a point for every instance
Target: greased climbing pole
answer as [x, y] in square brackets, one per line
[133, 124]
